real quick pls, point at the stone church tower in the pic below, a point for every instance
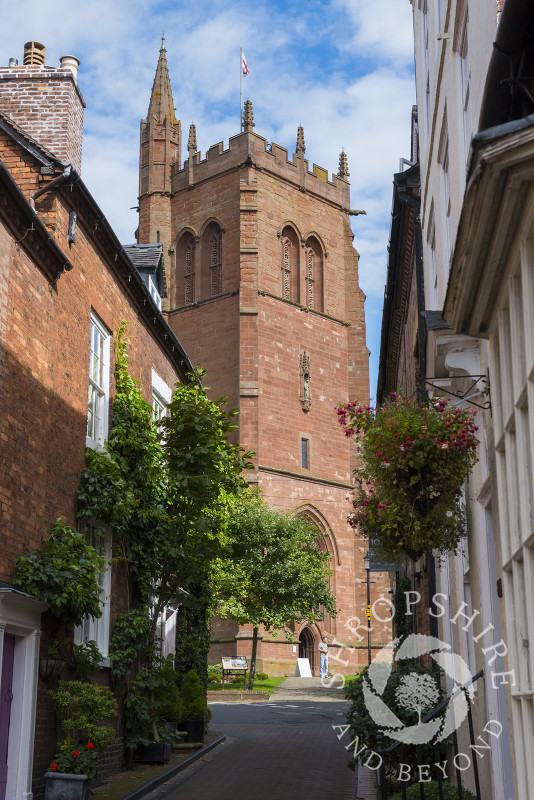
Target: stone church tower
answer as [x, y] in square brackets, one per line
[263, 291]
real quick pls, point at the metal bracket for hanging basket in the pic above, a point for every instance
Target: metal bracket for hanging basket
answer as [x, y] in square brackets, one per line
[479, 387]
[50, 667]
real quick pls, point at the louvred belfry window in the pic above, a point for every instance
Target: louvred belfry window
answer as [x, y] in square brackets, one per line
[216, 263]
[211, 277]
[186, 254]
[314, 274]
[189, 275]
[290, 264]
[286, 269]
[310, 279]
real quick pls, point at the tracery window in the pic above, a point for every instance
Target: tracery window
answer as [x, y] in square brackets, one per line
[314, 274]
[185, 269]
[290, 264]
[211, 282]
[216, 263]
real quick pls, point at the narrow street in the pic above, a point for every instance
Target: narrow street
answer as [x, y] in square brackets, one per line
[285, 748]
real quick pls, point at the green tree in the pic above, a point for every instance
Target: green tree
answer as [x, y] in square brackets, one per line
[162, 490]
[275, 573]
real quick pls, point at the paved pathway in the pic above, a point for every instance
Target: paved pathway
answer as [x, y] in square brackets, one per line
[309, 689]
[274, 751]
[284, 749]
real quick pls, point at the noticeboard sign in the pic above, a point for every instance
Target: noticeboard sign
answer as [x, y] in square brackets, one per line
[376, 562]
[235, 663]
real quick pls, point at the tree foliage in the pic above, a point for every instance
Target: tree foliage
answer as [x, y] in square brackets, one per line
[274, 574]
[64, 574]
[162, 489]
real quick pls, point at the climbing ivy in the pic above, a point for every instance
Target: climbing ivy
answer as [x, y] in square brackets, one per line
[162, 489]
[64, 574]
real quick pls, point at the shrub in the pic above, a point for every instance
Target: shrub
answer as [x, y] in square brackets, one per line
[261, 676]
[81, 708]
[193, 697]
[213, 677]
[215, 669]
[450, 792]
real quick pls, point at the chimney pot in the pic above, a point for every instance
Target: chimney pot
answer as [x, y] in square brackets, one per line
[34, 53]
[72, 63]
[13, 62]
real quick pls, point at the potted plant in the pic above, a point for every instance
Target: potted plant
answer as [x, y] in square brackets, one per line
[415, 458]
[195, 707]
[146, 707]
[81, 708]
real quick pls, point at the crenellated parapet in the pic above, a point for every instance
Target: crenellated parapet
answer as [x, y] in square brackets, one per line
[251, 149]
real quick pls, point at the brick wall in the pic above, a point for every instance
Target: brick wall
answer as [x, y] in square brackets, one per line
[47, 104]
[44, 362]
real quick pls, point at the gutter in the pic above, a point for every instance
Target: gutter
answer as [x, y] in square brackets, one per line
[51, 184]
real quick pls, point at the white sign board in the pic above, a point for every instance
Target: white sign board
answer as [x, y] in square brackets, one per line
[303, 669]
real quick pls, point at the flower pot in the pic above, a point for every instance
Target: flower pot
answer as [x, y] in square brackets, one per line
[153, 753]
[65, 786]
[195, 729]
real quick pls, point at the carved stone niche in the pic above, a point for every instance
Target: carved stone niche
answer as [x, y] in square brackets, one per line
[305, 379]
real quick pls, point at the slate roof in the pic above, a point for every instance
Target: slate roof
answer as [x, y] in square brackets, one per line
[148, 259]
[434, 321]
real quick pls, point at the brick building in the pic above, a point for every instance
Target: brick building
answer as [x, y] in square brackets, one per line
[263, 287]
[66, 285]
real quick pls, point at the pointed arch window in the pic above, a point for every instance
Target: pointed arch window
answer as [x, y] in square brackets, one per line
[314, 274]
[290, 265]
[211, 280]
[216, 262]
[185, 270]
[189, 276]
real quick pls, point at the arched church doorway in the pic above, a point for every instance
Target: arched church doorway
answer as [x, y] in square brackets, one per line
[307, 648]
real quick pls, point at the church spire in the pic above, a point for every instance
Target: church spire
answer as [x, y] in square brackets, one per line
[161, 103]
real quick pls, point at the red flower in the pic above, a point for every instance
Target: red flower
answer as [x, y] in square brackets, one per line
[90, 745]
[53, 766]
[76, 753]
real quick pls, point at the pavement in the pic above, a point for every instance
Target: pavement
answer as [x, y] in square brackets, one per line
[284, 749]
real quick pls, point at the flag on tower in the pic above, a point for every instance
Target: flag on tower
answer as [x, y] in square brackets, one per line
[244, 67]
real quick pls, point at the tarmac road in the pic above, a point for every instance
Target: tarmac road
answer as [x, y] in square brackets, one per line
[274, 751]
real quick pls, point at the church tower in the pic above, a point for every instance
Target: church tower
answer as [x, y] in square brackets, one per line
[161, 143]
[263, 291]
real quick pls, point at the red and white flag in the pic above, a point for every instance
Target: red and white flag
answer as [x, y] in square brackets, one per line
[244, 67]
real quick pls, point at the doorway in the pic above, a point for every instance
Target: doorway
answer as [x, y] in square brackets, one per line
[307, 648]
[6, 696]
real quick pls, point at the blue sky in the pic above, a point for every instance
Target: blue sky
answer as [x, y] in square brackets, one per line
[343, 69]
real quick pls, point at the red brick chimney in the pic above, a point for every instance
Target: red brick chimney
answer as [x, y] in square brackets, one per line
[45, 101]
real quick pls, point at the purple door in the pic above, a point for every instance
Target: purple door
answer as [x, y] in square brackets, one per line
[6, 696]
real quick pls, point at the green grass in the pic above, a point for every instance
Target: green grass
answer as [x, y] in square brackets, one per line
[268, 685]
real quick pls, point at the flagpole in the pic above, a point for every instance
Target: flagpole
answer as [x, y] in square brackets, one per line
[241, 90]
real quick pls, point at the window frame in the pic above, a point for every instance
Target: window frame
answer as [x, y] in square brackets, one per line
[100, 409]
[305, 452]
[91, 628]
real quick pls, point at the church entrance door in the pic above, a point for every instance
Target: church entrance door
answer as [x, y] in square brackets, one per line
[308, 649]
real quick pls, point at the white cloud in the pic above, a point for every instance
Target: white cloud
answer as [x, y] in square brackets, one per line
[381, 29]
